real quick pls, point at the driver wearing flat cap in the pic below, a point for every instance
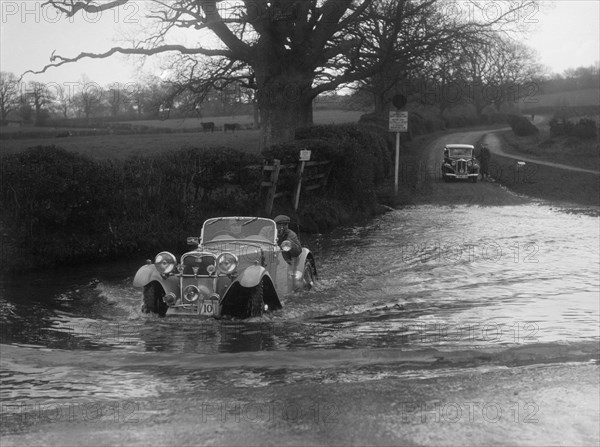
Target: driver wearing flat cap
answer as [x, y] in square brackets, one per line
[285, 234]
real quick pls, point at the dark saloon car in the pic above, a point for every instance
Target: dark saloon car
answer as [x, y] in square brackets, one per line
[460, 163]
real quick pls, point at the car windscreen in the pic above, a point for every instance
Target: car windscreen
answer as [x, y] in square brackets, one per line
[459, 152]
[247, 228]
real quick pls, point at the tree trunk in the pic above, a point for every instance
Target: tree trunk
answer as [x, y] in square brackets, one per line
[278, 124]
[379, 98]
[285, 104]
[306, 118]
[255, 114]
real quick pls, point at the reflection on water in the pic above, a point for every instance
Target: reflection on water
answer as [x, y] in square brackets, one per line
[410, 290]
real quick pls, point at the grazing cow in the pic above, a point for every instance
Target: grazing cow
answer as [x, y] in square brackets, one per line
[208, 126]
[64, 134]
[230, 126]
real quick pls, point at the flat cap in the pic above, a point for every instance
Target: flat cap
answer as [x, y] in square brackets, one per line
[282, 219]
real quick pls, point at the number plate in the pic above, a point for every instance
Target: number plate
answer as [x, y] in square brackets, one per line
[210, 308]
[462, 176]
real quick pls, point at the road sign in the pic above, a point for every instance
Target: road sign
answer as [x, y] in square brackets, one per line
[398, 121]
[399, 101]
[305, 155]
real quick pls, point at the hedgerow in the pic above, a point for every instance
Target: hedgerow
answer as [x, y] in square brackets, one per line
[62, 207]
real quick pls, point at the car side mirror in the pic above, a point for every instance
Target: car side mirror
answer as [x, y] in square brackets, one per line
[193, 241]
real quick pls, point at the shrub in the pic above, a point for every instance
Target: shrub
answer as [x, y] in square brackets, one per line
[374, 119]
[585, 129]
[372, 139]
[360, 158]
[521, 126]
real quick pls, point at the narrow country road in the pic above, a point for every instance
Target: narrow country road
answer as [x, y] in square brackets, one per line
[495, 145]
[434, 190]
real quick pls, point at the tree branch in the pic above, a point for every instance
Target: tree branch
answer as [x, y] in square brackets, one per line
[137, 51]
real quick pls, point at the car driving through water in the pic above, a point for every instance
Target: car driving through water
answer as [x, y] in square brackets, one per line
[237, 269]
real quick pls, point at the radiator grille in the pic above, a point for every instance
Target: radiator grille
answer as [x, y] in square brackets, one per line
[200, 260]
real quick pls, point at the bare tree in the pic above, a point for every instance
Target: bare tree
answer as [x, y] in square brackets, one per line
[116, 99]
[9, 94]
[294, 49]
[283, 41]
[40, 97]
[515, 73]
[402, 38]
[63, 101]
[89, 98]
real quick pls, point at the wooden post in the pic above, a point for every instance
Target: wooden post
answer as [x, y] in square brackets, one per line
[273, 187]
[298, 185]
[397, 161]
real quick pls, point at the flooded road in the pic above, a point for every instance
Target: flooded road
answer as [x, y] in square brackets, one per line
[468, 324]
[420, 293]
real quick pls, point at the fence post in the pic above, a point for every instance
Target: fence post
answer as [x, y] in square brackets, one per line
[273, 187]
[298, 185]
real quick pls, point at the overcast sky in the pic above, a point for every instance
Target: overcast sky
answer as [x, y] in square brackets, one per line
[566, 35]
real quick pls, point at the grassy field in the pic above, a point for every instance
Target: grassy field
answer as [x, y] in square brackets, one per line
[550, 183]
[585, 97]
[567, 150]
[124, 146]
[319, 117]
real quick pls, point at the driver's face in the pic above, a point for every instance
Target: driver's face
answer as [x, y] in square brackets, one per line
[281, 227]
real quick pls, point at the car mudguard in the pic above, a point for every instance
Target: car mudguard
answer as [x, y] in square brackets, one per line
[252, 276]
[296, 270]
[148, 273]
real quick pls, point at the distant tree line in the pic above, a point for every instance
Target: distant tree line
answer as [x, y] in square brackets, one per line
[284, 54]
[443, 84]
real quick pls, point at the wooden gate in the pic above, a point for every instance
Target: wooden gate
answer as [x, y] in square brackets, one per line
[310, 176]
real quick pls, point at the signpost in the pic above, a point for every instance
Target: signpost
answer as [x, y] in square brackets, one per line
[304, 157]
[398, 122]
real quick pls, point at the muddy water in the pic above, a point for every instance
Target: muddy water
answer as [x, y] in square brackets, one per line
[419, 292]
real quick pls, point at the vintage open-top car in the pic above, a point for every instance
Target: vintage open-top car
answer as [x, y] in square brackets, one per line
[459, 163]
[237, 270]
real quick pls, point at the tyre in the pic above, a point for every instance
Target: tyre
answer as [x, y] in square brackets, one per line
[474, 179]
[153, 299]
[255, 303]
[308, 276]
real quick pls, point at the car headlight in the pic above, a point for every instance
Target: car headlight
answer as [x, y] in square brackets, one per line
[286, 246]
[469, 163]
[191, 294]
[453, 162]
[227, 263]
[165, 262]
[170, 299]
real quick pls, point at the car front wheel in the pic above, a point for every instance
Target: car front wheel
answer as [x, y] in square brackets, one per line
[308, 276]
[153, 299]
[256, 302]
